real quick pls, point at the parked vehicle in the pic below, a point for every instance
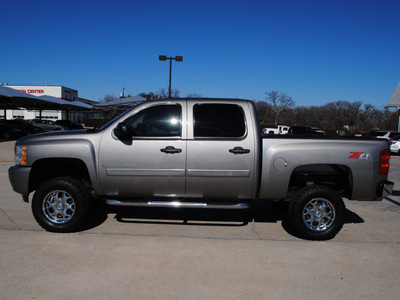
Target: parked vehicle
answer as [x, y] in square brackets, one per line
[68, 125]
[46, 125]
[197, 153]
[280, 129]
[24, 126]
[317, 131]
[395, 144]
[382, 134]
[14, 129]
[304, 130]
[7, 132]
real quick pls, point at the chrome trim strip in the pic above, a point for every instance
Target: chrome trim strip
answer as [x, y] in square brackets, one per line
[144, 172]
[176, 204]
[218, 173]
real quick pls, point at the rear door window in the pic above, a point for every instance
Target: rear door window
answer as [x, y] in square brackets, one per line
[219, 121]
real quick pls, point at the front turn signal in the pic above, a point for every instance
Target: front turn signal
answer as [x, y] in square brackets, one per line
[20, 155]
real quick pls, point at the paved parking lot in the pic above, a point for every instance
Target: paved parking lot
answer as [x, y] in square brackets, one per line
[198, 255]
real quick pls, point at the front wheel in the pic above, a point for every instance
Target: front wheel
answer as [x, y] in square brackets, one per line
[61, 205]
[317, 213]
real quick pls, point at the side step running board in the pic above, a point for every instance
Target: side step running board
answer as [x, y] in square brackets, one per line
[177, 204]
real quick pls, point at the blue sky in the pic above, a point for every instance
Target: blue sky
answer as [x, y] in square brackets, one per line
[315, 51]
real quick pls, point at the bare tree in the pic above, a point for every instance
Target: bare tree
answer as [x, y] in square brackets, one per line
[305, 116]
[163, 93]
[149, 96]
[353, 113]
[334, 115]
[193, 95]
[369, 118]
[265, 113]
[108, 98]
[280, 102]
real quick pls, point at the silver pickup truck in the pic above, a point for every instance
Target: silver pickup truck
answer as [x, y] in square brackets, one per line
[197, 153]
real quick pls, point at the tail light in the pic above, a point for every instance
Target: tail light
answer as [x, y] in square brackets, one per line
[384, 164]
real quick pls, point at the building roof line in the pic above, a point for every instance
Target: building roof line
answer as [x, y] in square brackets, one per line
[394, 101]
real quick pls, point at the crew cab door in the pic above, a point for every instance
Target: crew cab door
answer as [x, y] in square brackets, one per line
[221, 153]
[150, 161]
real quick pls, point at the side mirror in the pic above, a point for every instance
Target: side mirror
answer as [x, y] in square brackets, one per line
[122, 131]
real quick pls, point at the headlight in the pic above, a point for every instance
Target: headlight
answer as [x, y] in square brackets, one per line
[20, 155]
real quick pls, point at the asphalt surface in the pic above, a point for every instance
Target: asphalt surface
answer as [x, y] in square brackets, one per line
[186, 254]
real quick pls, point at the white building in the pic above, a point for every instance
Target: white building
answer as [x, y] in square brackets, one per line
[394, 102]
[58, 91]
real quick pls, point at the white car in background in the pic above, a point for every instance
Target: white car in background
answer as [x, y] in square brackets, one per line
[280, 129]
[395, 144]
[382, 134]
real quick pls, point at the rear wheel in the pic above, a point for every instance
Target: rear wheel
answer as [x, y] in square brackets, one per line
[61, 205]
[317, 213]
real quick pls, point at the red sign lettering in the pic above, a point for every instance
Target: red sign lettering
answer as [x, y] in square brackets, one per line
[35, 91]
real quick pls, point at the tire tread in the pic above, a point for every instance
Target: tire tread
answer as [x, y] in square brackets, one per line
[296, 207]
[81, 198]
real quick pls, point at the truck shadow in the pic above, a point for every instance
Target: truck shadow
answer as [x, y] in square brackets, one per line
[394, 194]
[264, 212]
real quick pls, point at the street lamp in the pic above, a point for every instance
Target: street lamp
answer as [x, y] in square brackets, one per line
[164, 58]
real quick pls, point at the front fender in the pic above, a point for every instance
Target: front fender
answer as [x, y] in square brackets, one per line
[66, 149]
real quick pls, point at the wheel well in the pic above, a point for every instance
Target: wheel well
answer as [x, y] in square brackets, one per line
[45, 169]
[337, 177]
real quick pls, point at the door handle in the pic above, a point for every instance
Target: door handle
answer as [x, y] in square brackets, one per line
[239, 150]
[171, 150]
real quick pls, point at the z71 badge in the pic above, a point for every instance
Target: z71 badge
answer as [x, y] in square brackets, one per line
[359, 155]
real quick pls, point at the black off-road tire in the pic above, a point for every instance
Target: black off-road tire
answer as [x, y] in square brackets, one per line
[61, 204]
[317, 213]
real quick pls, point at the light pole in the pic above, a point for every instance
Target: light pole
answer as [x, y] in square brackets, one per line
[164, 58]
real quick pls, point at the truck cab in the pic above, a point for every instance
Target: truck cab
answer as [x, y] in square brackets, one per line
[154, 152]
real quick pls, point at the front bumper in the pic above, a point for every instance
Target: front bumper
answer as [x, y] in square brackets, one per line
[19, 179]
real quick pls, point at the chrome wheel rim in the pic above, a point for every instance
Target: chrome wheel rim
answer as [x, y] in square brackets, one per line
[319, 214]
[58, 207]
